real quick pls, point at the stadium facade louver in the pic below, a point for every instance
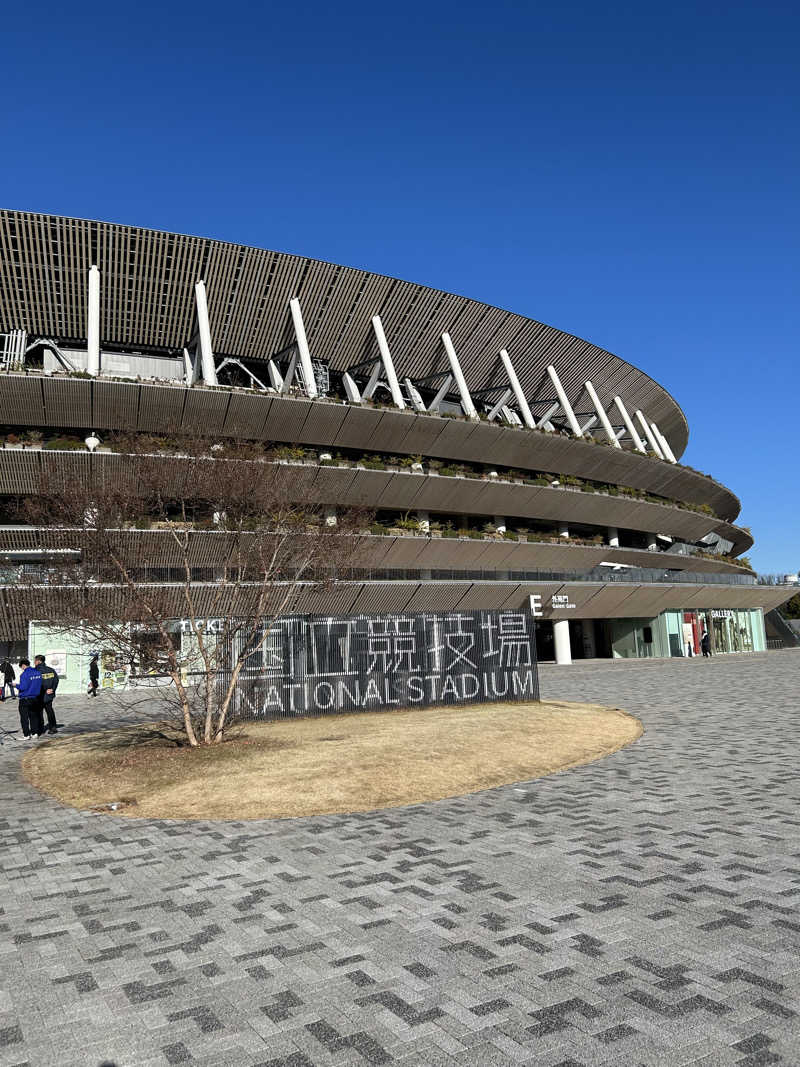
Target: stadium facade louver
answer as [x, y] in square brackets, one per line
[541, 472]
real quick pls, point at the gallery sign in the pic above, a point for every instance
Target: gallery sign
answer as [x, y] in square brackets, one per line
[315, 665]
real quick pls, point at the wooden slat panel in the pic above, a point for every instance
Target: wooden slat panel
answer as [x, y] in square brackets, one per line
[147, 298]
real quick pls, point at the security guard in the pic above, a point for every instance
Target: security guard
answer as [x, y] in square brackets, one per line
[49, 686]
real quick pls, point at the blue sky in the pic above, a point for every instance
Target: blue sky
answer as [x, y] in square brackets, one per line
[626, 172]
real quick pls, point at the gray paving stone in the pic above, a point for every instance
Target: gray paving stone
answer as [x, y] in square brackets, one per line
[639, 910]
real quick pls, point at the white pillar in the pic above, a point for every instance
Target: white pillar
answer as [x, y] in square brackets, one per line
[638, 444]
[413, 396]
[656, 447]
[461, 381]
[522, 403]
[351, 389]
[93, 324]
[189, 368]
[500, 523]
[601, 414]
[309, 380]
[561, 641]
[563, 530]
[204, 335]
[565, 404]
[424, 521]
[503, 399]
[613, 537]
[544, 421]
[664, 443]
[388, 364]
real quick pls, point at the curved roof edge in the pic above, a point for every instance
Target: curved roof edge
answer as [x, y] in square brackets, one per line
[147, 299]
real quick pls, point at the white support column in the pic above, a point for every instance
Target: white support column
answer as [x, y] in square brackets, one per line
[413, 395]
[522, 403]
[309, 381]
[275, 376]
[656, 447]
[588, 425]
[189, 368]
[495, 411]
[93, 324]
[204, 335]
[444, 389]
[565, 404]
[351, 389]
[466, 400]
[288, 378]
[664, 443]
[544, 421]
[613, 537]
[372, 382]
[601, 414]
[638, 444]
[563, 649]
[388, 363]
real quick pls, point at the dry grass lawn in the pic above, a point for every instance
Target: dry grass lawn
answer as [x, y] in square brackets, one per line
[326, 765]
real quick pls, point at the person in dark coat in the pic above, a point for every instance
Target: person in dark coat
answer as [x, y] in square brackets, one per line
[30, 688]
[94, 676]
[705, 644]
[8, 675]
[49, 686]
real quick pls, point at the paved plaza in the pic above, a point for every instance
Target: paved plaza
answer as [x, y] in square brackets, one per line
[639, 910]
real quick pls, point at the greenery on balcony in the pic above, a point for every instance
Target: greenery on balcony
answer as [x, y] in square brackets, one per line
[265, 450]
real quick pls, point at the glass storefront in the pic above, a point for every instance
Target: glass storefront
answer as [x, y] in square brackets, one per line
[734, 631]
[680, 633]
[638, 638]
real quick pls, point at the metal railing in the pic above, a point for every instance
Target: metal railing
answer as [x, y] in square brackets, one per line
[628, 576]
[42, 573]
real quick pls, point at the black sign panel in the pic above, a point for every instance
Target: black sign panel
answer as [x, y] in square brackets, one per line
[317, 665]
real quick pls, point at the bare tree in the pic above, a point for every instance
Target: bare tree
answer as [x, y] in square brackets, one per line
[204, 548]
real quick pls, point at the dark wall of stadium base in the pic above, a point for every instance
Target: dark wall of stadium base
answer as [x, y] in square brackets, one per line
[322, 665]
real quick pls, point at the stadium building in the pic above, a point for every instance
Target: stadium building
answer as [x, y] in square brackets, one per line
[510, 467]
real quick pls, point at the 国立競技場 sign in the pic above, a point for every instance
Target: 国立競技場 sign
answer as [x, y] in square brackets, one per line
[312, 664]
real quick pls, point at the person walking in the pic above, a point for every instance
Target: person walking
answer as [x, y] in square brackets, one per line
[94, 676]
[30, 688]
[705, 644]
[9, 675]
[47, 695]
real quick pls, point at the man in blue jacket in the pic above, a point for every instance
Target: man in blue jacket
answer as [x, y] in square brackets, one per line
[30, 711]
